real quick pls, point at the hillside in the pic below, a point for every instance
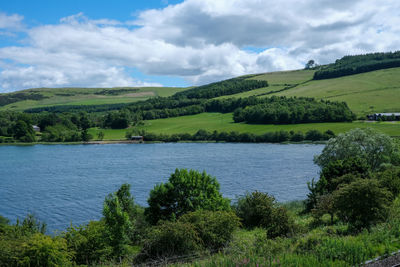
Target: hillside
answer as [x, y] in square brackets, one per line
[45, 97]
[371, 92]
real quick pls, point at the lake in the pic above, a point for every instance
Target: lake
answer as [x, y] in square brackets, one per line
[61, 184]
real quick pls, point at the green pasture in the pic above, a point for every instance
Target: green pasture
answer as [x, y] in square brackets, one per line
[88, 96]
[109, 134]
[286, 77]
[223, 122]
[366, 93]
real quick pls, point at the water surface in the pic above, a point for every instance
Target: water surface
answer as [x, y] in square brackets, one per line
[68, 183]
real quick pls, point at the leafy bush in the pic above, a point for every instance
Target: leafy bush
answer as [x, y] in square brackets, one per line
[44, 251]
[170, 239]
[390, 179]
[362, 203]
[89, 243]
[258, 209]
[185, 191]
[215, 228]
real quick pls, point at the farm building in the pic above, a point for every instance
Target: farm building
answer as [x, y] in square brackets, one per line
[36, 128]
[137, 138]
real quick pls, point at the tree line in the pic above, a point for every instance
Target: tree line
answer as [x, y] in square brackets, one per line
[294, 110]
[350, 65]
[236, 137]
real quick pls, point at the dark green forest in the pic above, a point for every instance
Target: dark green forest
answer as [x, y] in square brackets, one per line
[350, 65]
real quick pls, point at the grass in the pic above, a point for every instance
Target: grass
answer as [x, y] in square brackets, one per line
[88, 96]
[366, 93]
[223, 122]
[286, 77]
[109, 134]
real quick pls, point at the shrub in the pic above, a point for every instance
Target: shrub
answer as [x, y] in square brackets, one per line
[258, 209]
[89, 243]
[362, 203]
[184, 192]
[170, 239]
[390, 179]
[215, 228]
[45, 251]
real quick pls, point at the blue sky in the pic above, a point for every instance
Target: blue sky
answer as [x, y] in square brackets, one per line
[101, 43]
[50, 11]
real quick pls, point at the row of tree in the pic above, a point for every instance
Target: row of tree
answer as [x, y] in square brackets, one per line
[350, 65]
[54, 127]
[294, 110]
[233, 136]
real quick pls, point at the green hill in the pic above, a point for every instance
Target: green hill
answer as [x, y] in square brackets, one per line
[371, 92]
[46, 97]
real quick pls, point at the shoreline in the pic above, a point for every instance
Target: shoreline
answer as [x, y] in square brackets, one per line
[110, 142]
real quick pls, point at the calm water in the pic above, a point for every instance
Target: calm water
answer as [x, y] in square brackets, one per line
[68, 183]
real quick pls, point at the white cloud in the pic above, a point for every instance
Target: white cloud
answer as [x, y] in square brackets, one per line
[12, 22]
[199, 40]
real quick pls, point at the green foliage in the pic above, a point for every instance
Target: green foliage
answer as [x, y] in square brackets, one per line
[367, 144]
[215, 228]
[258, 209]
[233, 136]
[44, 251]
[185, 191]
[6, 99]
[117, 120]
[23, 132]
[170, 239]
[390, 179]
[227, 87]
[88, 243]
[350, 65]
[117, 210]
[61, 133]
[362, 203]
[281, 110]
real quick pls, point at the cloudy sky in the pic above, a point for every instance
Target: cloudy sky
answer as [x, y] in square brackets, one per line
[101, 43]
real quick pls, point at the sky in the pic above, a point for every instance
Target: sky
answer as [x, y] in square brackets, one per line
[99, 43]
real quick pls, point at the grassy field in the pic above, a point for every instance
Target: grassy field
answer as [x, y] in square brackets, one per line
[223, 122]
[89, 96]
[366, 93]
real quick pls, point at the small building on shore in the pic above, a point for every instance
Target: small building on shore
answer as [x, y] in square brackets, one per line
[384, 116]
[36, 128]
[137, 138]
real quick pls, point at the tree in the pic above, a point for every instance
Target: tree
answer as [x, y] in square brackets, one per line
[100, 135]
[23, 132]
[185, 191]
[116, 212]
[310, 64]
[367, 144]
[362, 203]
[88, 242]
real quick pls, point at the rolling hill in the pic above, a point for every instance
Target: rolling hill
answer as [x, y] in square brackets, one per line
[48, 97]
